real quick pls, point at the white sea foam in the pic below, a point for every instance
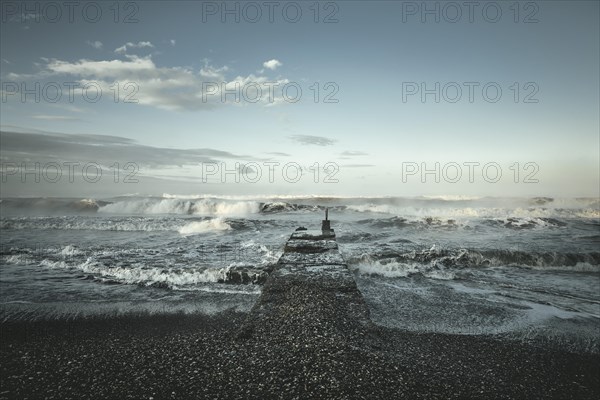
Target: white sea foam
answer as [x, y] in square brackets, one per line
[579, 267]
[139, 274]
[249, 290]
[452, 197]
[475, 212]
[390, 270]
[70, 251]
[181, 206]
[19, 259]
[97, 224]
[397, 269]
[211, 225]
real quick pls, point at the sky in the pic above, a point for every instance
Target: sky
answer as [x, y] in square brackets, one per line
[350, 98]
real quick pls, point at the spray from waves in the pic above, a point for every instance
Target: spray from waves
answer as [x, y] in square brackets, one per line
[514, 223]
[184, 225]
[498, 213]
[182, 207]
[394, 269]
[211, 225]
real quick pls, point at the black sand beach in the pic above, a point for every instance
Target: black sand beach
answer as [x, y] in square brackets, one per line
[202, 357]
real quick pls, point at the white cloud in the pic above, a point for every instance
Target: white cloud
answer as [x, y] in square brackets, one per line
[213, 73]
[172, 42]
[134, 67]
[138, 45]
[95, 44]
[55, 118]
[272, 64]
[170, 88]
[313, 140]
[349, 153]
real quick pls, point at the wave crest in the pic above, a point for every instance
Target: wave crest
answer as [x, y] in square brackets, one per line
[211, 225]
[181, 206]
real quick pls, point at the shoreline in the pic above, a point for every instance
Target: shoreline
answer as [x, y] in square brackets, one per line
[200, 356]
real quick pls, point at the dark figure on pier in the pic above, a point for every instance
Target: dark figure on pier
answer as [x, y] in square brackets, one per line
[325, 224]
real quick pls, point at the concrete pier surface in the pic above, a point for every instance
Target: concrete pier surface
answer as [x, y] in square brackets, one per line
[311, 293]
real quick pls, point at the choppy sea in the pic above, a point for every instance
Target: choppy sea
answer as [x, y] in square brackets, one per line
[526, 267]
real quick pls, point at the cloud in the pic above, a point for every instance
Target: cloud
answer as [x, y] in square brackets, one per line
[26, 17]
[171, 170]
[70, 108]
[95, 44]
[312, 140]
[272, 64]
[353, 153]
[213, 73]
[123, 49]
[56, 118]
[40, 146]
[278, 153]
[172, 41]
[133, 68]
[169, 88]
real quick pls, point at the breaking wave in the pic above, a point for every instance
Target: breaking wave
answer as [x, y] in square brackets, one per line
[166, 278]
[211, 225]
[442, 207]
[180, 206]
[444, 264]
[135, 223]
[539, 213]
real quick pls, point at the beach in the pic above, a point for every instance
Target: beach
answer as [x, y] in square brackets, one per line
[202, 357]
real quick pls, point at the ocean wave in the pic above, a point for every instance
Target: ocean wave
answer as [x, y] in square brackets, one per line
[395, 269]
[435, 259]
[184, 225]
[281, 206]
[93, 223]
[476, 212]
[525, 222]
[140, 266]
[167, 278]
[401, 222]
[52, 205]
[444, 207]
[211, 225]
[180, 206]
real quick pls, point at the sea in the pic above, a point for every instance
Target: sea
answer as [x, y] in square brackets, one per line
[523, 268]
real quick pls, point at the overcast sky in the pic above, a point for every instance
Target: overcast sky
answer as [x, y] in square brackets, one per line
[347, 91]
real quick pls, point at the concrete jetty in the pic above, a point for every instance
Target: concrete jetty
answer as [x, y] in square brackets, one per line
[310, 293]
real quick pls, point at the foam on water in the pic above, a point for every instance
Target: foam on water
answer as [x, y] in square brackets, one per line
[143, 275]
[181, 206]
[395, 269]
[527, 215]
[211, 225]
